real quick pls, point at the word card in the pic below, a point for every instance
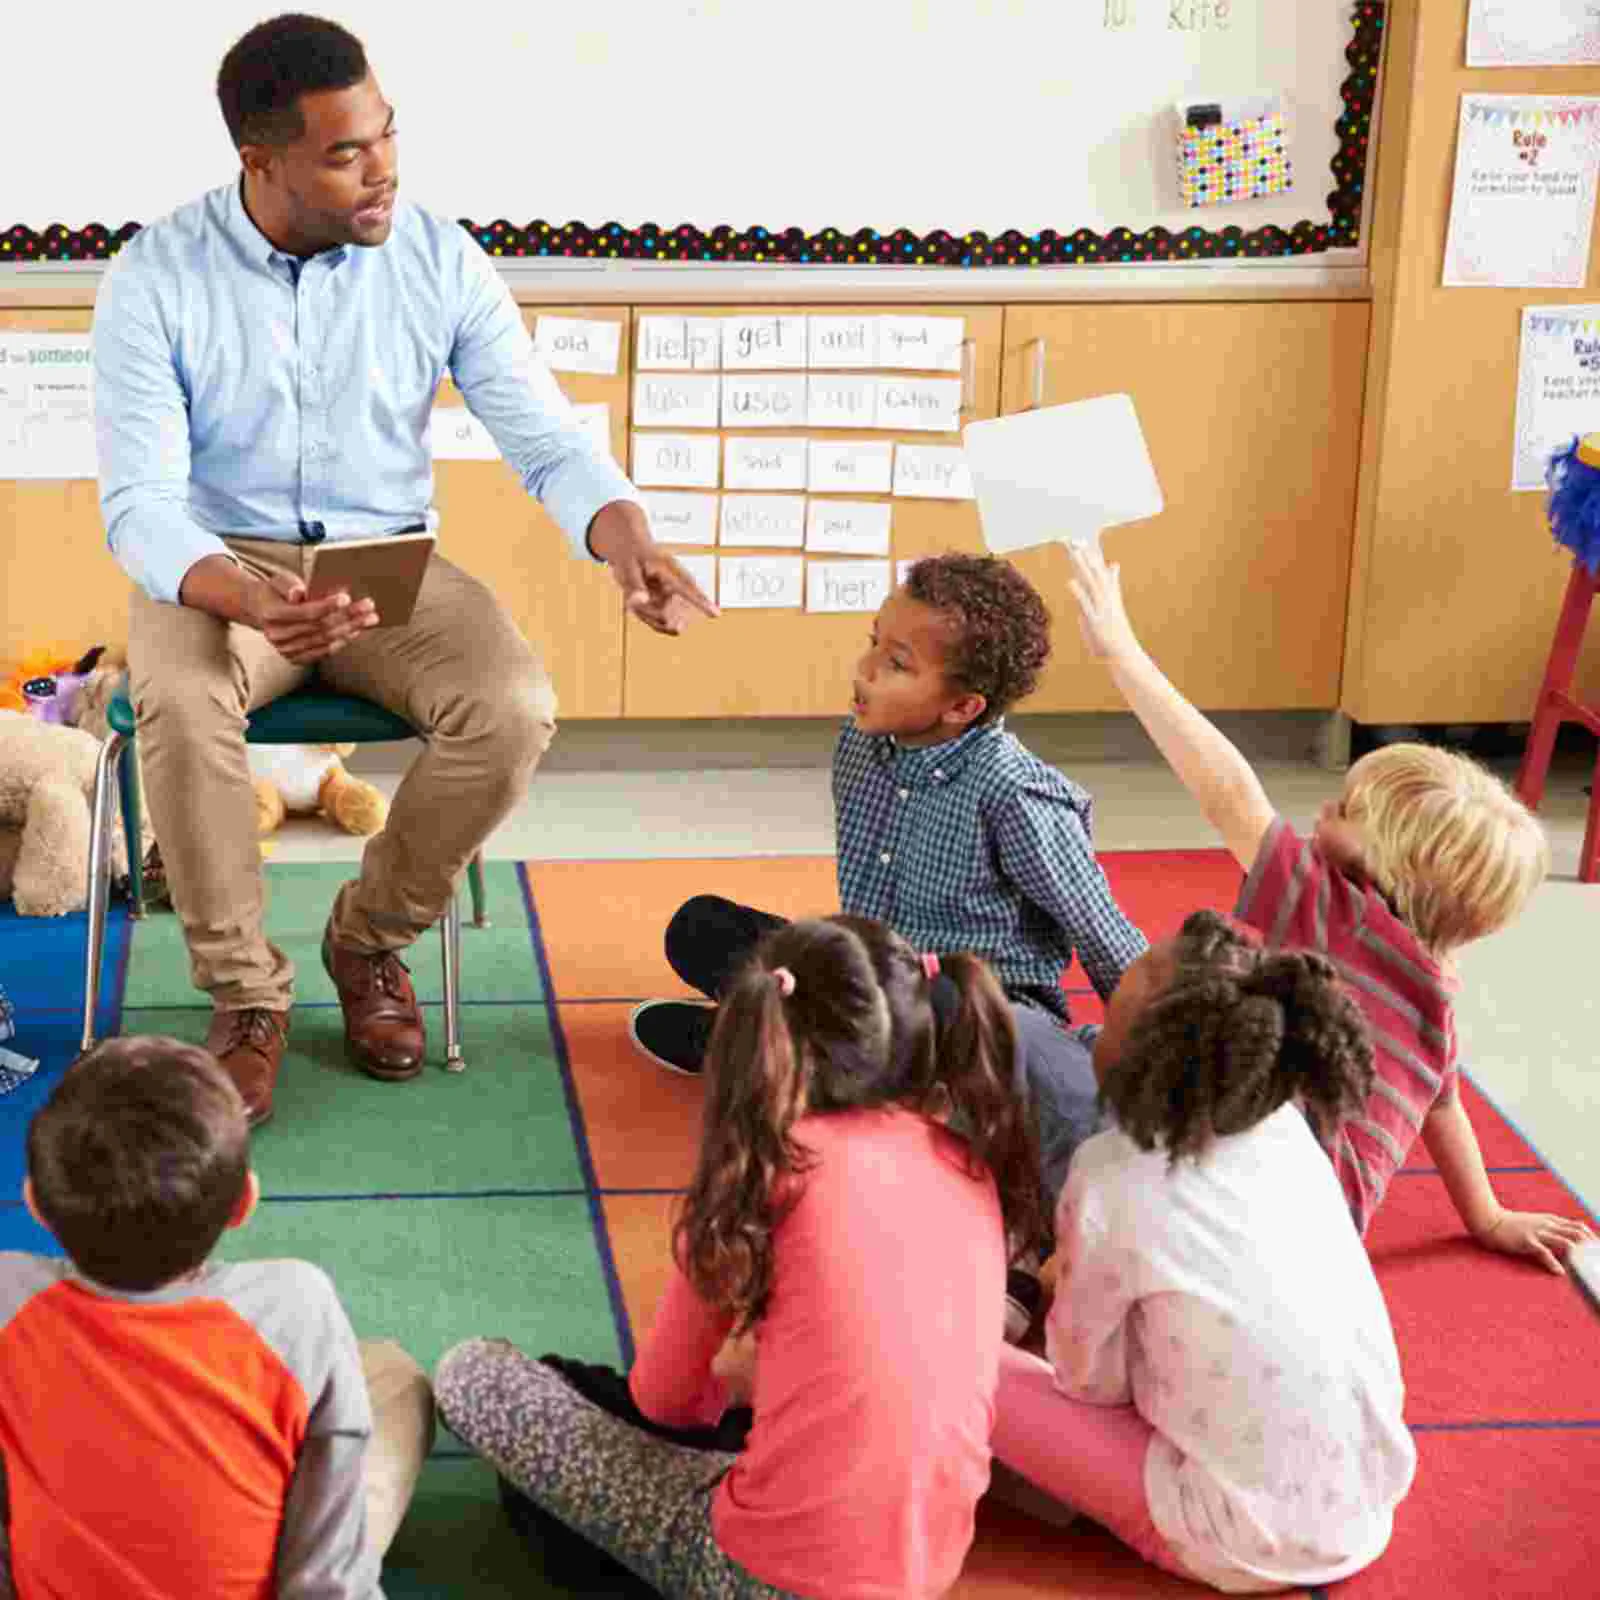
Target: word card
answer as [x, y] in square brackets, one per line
[842, 402]
[575, 344]
[764, 463]
[778, 402]
[932, 472]
[703, 569]
[752, 582]
[677, 518]
[846, 585]
[921, 344]
[842, 341]
[593, 420]
[845, 468]
[766, 521]
[924, 405]
[679, 344]
[674, 401]
[676, 460]
[456, 435]
[763, 342]
[849, 527]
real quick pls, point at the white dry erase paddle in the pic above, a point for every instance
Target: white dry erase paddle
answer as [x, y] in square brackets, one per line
[1062, 474]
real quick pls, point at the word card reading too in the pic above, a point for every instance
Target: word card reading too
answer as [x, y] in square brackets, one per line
[763, 343]
[932, 472]
[703, 569]
[842, 402]
[842, 341]
[765, 463]
[457, 435]
[678, 344]
[841, 468]
[593, 420]
[925, 405]
[574, 344]
[849, 527]
[766, 521]
[676, 460]
[846, 585]
[681, 518]
[764, 402]
[673, 401]
[921, 344]
[752, 582]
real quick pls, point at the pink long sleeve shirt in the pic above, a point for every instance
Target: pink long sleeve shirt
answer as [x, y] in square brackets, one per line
[878, 1361]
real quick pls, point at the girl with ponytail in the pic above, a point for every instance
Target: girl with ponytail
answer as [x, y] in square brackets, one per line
[1223, 1390]
[839, 1266]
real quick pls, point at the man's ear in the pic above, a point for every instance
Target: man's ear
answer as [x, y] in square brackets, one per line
[249, 1199]
[256, 159]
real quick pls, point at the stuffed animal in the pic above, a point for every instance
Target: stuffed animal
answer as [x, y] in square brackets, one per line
[311, 780]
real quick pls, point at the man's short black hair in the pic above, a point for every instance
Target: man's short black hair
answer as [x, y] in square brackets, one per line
[263, 76]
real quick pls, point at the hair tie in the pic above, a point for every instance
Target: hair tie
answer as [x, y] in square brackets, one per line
[784, 979]
[930, 966]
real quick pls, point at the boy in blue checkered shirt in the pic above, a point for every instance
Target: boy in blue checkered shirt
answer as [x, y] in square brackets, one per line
[951, 832]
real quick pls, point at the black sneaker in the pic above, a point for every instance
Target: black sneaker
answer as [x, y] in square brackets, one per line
[1024, 1298]
[673, 1033]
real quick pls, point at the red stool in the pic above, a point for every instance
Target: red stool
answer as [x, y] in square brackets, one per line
[1557, 704]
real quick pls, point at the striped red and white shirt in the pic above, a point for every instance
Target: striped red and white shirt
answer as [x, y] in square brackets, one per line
[1296, 900]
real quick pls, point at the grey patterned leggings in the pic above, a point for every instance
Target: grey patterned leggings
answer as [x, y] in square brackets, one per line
[645, 1500]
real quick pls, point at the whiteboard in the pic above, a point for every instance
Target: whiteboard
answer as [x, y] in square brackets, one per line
[924, 115]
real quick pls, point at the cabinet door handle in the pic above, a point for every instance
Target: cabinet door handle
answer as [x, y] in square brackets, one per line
[969, 377]
[1039, 357]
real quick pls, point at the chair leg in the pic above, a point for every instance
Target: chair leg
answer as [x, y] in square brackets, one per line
[1589, 854]
[99, 884]
[1558, 675]
[450, 934]
[475, 886]
[132, 829]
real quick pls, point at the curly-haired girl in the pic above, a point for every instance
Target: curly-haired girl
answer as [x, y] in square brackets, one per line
[838, 1217]
[1223, 1390]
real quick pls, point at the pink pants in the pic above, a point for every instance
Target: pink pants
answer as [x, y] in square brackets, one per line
[1089, 1457]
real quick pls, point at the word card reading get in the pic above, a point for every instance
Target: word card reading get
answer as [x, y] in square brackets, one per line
[842, 402]
[703, 569]
[764, 463]
[842, 341]
[681, 518]
[932, 472]
[754, 582]
[924, 405]
[765, 521]
[678, 344]
[575, 344]
[764, 402]
[843, 468]
[921, 344]
[676, 460]
[672, 401]
[849, 527]
[763, 343]
[846, 585]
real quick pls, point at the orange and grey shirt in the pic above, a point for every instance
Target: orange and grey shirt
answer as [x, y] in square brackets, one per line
[206, 1439]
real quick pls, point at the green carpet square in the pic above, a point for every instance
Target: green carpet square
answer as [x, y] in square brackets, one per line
[501, 1124]
[497, 962]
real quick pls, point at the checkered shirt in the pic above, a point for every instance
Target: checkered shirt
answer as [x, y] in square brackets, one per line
[975, 844]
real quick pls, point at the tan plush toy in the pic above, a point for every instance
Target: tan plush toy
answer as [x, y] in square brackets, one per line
[311, 780]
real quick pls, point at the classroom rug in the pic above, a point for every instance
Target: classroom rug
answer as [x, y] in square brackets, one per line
[531, 1196]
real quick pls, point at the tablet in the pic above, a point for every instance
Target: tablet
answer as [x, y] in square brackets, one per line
[388, 570]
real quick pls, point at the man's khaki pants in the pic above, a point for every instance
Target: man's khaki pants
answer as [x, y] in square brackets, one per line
[459, 671]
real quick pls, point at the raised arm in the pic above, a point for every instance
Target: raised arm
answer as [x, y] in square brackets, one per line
[1206, 762]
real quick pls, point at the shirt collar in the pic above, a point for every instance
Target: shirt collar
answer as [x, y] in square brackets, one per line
[256, 247]
[938, 762]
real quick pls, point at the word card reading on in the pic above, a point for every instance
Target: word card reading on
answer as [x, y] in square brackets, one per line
[766, 402]
[703, 569]
[846, 585]
[932, 472]
[677, 518]
[676, 460]
[764, 521]
[838, 467]
[921, 344]
[668, 400]
[678, 344]
[763, 463]
[763, 343]
[576, 344]
[841, 402]
[923, 405]
[757, 582]
[593, 420]
[842, 341]
[457, 435]
[849, 527]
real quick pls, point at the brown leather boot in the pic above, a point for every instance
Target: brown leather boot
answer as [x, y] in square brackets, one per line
[383, 1028]
[249, 1044]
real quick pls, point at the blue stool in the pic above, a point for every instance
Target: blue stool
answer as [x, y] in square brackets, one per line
[306, 716]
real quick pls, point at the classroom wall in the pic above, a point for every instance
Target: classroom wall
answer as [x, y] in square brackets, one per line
[1456, 581]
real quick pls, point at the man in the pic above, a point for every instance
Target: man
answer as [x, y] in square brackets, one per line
[265, 360]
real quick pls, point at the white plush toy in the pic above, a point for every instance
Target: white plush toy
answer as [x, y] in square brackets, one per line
[311, 780]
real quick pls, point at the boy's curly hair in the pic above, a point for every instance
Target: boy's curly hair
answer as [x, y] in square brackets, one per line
[1002, 628]
[1239, 1031]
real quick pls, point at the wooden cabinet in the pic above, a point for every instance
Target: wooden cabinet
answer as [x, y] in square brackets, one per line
[791, 663]
[1253, 414]
[568, 607]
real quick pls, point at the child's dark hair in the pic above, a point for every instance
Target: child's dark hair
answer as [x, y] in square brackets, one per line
[1002, 628]
[856, 1029]
[138, 1160]
[263, 76]
[1237, 1032]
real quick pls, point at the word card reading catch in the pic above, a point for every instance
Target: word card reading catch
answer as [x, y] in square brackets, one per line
[763, 463]
[679, 344]
[763, 343]
[677, 518]
[846, 585]
[924, 405]
[764, 402]
[576, 344]
[671, 400]
[849, 527]
[756, 582]
[839, 467]
[676, 460]
[764, 521]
